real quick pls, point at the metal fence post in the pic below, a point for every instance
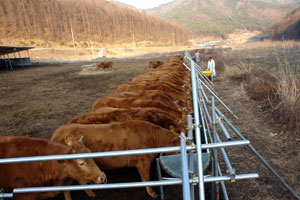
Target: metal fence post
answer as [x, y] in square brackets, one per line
[184, 167]
[215, 191]
[198, 136]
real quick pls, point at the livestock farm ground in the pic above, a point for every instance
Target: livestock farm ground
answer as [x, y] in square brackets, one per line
[37, 100]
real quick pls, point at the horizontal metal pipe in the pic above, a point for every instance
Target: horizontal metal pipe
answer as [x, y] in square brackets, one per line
[173, 181]
[225, 144]
[227, 178]
[91, 155]
[186, 66]
[219, 99]
[117, 153]
[6, 195]
[98, 186]
[224, 130]
[260, 157]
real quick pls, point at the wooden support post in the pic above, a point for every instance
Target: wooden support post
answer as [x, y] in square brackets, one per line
[9, 62]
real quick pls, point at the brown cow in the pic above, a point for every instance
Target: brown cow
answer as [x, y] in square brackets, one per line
[149, 94]
[50, 173]
[151, 78]
[105, 65]
[152, 86]
[155, 63]
[120, 136]
[168, 73]
[134, 103]
[176, 59]
[152, 115]
[161, 82]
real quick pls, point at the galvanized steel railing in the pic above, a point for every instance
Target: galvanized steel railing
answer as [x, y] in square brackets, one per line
[217, 118]
[203, 125]
[209, 122]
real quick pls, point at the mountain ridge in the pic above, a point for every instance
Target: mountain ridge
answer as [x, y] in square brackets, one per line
[286, 28]
[222, 18]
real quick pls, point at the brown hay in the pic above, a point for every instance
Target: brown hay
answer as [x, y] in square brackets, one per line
[278, 94]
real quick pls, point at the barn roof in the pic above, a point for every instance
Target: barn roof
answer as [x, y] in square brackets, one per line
[11, 49]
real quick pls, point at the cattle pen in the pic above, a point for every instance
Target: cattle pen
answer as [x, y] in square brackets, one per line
[200, 127]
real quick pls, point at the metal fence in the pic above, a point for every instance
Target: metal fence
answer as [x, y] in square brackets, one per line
[201, 141]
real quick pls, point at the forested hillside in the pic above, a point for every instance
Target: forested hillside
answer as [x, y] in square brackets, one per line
[282, 1]
[96, 20]
[287, 28]
[221, 17]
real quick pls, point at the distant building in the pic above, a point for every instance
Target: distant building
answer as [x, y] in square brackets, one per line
[9, 59]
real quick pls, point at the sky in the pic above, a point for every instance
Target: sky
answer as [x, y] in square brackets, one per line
[144, 4]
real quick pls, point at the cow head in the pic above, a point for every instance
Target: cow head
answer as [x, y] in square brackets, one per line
[82, 170]
[175, 141]
[181, 102]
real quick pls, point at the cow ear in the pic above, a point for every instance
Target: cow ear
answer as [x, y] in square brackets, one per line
[69, 140]
[81, 139]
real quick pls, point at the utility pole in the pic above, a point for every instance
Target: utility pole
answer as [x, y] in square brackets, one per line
[73, 37]
[133, 42]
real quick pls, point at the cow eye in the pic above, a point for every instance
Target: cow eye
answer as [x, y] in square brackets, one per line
[82, 163]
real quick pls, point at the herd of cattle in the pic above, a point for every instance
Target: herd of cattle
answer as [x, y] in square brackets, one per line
[148, 112]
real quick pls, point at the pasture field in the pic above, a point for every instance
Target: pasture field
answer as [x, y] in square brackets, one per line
[36, 101]
[270, 73]
[270, 55]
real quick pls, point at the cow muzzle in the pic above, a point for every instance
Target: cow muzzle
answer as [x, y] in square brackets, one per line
[102, 179]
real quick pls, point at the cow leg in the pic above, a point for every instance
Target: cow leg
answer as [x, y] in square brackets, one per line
[26, 196]
[143, 167]
[67, 195]
[90, 193]
[44, 195]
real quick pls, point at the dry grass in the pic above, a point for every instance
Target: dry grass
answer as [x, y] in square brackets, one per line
[268, 44]
[269, 55]
[269, 73]
[287, 109]
[278, 93]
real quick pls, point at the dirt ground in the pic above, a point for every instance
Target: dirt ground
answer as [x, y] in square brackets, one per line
[37, 100]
